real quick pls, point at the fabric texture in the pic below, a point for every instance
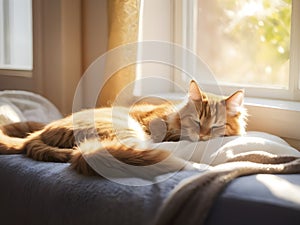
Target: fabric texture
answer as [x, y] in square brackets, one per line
[34, 193]
[17, 106]
[219, 150]
[199, 193]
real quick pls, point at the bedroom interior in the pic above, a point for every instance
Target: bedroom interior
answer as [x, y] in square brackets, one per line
[72, 39]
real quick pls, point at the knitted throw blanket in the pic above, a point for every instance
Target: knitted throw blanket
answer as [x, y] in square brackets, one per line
[190, 202]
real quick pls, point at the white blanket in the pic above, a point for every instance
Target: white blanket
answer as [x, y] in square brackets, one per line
[219, 150]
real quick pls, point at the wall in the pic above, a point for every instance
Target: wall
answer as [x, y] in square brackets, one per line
[60, 66]
[94, 27]
[68, 36]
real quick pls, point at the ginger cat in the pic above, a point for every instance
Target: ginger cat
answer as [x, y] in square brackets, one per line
[127, 133]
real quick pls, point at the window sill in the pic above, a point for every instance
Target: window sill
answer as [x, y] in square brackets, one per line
[17, 73]
[275, 104]
[278, 117]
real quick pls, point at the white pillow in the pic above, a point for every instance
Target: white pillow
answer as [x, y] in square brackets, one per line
[219, 150]
[16, 106]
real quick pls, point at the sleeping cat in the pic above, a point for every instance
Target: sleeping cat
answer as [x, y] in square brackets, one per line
[127, 133]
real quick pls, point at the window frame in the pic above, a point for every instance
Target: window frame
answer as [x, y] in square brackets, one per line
[7, 8]
[184, 35]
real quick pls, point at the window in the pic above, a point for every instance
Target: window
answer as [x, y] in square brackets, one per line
[251, 44]
[16, 34]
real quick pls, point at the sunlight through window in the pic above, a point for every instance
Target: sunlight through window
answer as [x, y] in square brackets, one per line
[246, 41]
[280, 187]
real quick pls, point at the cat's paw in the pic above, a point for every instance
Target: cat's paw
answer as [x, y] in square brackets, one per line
[158, 129]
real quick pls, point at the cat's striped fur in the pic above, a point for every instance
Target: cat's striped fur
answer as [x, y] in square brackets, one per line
[126, 133]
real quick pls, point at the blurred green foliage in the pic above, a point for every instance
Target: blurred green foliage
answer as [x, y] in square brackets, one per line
[266, 24]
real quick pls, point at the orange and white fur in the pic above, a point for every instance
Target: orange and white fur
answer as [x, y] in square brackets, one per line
[127, 133]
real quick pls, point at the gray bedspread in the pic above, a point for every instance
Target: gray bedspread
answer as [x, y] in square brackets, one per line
[35, 193]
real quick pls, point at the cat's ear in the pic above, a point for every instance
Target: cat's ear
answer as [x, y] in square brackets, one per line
[195, 92]
[235, 101]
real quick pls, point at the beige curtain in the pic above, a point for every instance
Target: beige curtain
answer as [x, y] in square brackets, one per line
[123, 29]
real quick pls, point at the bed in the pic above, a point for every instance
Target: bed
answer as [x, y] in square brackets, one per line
[50, 193]
[34, 192]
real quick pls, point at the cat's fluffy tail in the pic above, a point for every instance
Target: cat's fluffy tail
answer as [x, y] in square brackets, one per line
[11, 145]
[21, 129]
[114, 159]
[24, 138]
[12, 136]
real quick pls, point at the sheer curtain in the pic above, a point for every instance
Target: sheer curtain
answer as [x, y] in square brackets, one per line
[123, 30]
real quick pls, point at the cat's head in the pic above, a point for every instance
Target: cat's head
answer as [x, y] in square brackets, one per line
[206, 116]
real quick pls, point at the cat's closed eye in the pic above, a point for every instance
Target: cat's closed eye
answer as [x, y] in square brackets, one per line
[218, 130]
[218, 126]
[198, 123]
